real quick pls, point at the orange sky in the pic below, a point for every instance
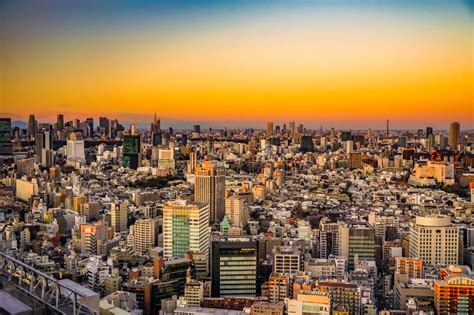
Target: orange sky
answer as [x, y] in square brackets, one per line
[309, 66]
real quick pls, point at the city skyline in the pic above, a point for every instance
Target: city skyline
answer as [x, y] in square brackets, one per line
[240, 64]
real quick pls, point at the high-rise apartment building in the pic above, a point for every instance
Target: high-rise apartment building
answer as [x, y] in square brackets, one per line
[144, 235]
[454, 133]
[234, 266]
[185, 228]
[235, 210]
[434, 240]
[209, 188]
[119, 216]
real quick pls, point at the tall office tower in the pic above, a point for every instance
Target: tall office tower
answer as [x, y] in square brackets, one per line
[155, 125]
[131, 151]
[5, 136]
[332, 135]
[300, 128]
[429, 131]
[343, 294]
[236, 211]
[75, 147]
[32, 126]
[420, 133]
[185, 228]
[434, 240]
[388, 128]
[431, 141]
[454, 133]
[76, 124]
[144, 235]
[356, 241]
[292, 128]
[119, 216]
[454, 295]
[269, 129]
[412, 267]
[197, 128]
[44, 143]
[92, 236]
[104, 125]
[283, 128]
[156, 138]
[60, 122]
[209, 188]
[234, 266]
[286, 259]
[90, 123]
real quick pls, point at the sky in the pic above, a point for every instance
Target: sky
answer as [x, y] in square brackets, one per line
[346, 64]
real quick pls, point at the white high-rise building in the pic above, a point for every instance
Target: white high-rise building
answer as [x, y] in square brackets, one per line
[434, 240]
[75, 147]
[185, 228]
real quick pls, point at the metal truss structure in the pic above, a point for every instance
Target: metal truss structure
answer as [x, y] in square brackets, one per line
[57, 296]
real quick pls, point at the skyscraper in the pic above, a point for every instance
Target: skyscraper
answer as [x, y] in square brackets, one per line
[234, 266]
[104, 125]
[32, 126]
[119, 216]
[185, 228]
[209, 188]
[131, 151]
[5, 136]
[75, 147]
[429, 131]
[269, 129]
[454, 133]
[60, 123]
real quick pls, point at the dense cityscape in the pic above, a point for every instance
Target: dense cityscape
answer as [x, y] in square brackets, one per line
[99, 217]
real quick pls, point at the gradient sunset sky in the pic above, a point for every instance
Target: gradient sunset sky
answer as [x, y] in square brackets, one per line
[240, 63]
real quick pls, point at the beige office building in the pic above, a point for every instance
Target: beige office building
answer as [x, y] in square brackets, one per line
[434, 240]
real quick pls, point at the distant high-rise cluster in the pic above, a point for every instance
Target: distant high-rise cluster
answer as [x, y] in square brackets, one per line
[284, 219]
